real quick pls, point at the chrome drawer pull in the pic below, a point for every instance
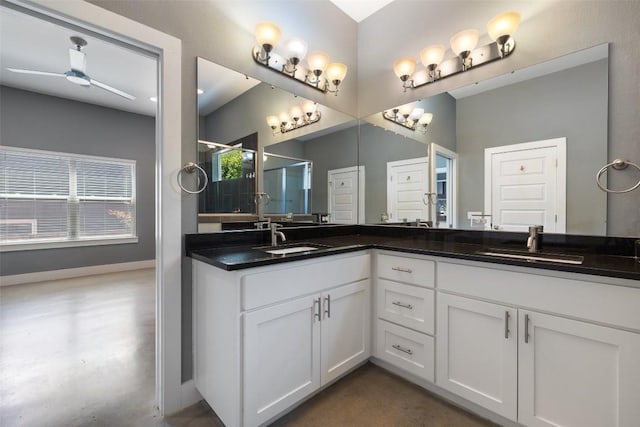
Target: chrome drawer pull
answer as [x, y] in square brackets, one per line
[526, 328]
[316, 313]
[506, 325]
[400, 348]
[402, 269]
[400, 304]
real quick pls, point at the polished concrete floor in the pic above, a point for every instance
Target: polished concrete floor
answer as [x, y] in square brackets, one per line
[80, 352]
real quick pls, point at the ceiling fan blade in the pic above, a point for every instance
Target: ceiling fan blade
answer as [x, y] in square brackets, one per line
[39, 73]
[112, 90]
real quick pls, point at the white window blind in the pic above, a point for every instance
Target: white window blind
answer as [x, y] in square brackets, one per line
[47, 196]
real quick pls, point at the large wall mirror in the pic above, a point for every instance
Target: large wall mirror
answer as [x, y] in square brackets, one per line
[502, 154]
[268, 152]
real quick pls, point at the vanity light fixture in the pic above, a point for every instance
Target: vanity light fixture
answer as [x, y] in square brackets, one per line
[409, 117]
[468, 55]
[296, 118]
[319, 73]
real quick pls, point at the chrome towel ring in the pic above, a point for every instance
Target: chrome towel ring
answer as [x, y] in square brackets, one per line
[190, 168]
[617, 164]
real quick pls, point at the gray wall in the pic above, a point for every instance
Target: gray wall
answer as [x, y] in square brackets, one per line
[31, 120]
[572, 104]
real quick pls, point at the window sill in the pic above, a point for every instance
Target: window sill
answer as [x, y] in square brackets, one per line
[27, 246]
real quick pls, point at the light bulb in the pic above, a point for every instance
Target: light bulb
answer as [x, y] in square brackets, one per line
[404, 67]
[295, 113]
[318, 62]
[425, 119]
[284, 118]
[432, 56]
[464, 42]
[416, 113]
[502, 26]
[296, 50]
[273, 121]
[267, 34]
[336, 72]
[309, 108]
[406, 110]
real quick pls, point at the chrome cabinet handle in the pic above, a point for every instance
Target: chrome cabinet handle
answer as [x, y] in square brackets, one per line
[526, 328]
[316, 313]
[402, 269]
[506, 325]
[402, 349]
[327, 309]
[403, 305]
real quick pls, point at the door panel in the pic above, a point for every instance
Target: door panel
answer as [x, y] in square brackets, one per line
[407, 184]
[577, 374]
[343, 195]
[476, 353]
[281, 366]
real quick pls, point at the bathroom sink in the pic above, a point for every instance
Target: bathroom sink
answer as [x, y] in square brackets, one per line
[291, 249]
[532, 256]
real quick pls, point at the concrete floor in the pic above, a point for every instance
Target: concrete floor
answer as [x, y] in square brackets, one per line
[80, 352]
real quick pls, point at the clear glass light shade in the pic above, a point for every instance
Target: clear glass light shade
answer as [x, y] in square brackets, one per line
[416, 113]
[296, 48]
[404, 67]
[295, 112]
[406, 109]
[309, 107]
[425, 119]
[463, 41]
[318, 61]
[432, 55]
[336, 71]
[267, 33]
[504, 24]
[273, 121]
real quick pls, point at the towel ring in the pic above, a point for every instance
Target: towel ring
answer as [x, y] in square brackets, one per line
[190, 168]
[617, 164]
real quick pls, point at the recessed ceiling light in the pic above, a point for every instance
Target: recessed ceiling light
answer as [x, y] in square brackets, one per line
[200, 91]
[153, 99]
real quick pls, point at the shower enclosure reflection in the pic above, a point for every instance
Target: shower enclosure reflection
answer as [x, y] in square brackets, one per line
[287, 181]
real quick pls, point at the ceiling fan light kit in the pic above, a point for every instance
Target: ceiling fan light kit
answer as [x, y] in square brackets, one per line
[77, 72]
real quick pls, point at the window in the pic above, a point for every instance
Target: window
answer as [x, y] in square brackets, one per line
[48, 197]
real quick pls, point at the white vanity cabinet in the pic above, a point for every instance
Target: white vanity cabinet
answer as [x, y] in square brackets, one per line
[539, 350]
[404, 305]
[267, 337]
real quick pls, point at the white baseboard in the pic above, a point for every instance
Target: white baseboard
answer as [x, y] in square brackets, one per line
[68, 273]
[189, 394]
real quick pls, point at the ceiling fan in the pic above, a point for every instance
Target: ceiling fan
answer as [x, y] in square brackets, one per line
[76, 74]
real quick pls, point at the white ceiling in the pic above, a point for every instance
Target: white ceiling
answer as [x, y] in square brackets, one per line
[360, 9]
[30, 43]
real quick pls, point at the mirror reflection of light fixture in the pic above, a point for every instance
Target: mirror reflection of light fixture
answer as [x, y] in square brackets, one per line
[409, 117]
[295, 118]
[468, 55]
[318, 73]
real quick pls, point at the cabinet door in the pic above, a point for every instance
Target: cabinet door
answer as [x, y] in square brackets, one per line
[281, 357]
[573, 373]
[476, 352]
[345, 329]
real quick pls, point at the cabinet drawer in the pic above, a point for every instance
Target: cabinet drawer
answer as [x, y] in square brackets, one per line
[406, 349]
[407, 305]
[409, 270]
[294, 280]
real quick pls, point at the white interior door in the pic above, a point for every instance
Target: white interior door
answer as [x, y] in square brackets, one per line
[525, 184]
[346, 193]
[407, 186]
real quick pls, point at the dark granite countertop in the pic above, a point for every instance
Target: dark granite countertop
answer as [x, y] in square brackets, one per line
[603, 256]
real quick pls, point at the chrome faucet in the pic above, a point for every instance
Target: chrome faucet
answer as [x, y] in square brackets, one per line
[275, 234]
[534, 241]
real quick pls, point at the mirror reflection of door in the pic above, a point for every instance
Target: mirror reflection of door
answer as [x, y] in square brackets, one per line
[407, 185]
[346, 191]
[525, 184]
[444, 174]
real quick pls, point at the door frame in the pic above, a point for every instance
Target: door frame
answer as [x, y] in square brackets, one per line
[561, 175]
[168, 198]
[408, 162]
[360, 207]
